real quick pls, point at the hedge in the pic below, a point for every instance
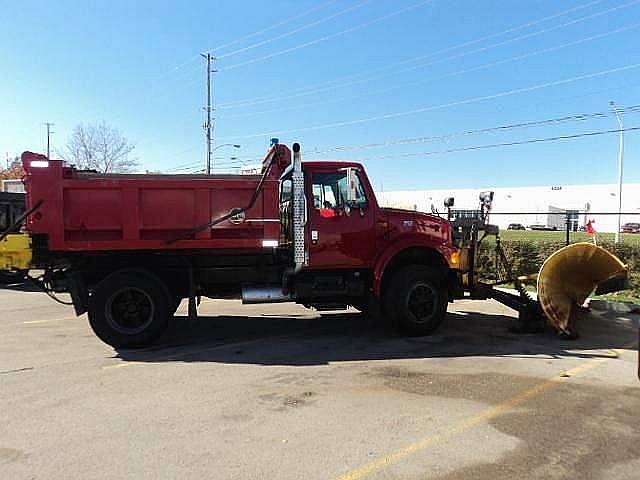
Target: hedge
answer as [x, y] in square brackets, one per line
[527, 257]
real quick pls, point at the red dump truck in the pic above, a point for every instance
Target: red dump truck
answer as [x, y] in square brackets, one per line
[129, 248]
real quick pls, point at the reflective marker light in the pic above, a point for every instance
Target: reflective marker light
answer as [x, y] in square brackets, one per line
[269, 243]
[454, 259]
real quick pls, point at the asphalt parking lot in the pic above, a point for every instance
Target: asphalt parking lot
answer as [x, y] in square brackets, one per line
[278, 392]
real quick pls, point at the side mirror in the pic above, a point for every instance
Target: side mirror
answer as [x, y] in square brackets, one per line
[448, 202]
[351, 185]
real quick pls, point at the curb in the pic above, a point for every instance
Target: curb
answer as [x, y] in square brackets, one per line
[616, 307]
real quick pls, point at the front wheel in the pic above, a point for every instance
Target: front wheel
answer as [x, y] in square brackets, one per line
[129, 309]
[416, 299]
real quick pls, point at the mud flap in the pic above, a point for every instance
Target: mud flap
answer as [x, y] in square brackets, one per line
[79, 293]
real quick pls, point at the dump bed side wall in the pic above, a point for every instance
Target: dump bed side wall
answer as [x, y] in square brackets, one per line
[92, 212]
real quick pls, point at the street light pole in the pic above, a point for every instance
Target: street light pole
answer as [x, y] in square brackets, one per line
[234, 145]
[208, 126]
[49, 132]
[620, 165]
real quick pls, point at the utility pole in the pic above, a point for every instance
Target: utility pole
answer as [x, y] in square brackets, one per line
[620, 165]
[208, 126]
[49, 132]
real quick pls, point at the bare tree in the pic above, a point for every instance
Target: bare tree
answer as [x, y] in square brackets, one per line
[99, 147]
[14, 170]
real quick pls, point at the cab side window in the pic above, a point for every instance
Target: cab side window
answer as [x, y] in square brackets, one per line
[326, 194]
[330, 191]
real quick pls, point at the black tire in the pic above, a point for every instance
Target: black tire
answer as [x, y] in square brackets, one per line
[416, 300]
[129, 309]
[13, 277]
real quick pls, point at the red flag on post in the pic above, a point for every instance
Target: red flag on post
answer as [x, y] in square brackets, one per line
[589, 228]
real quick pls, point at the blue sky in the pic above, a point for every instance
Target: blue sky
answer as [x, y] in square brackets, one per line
[344, 73]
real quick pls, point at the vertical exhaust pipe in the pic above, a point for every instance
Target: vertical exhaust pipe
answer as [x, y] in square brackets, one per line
[299, 220]
[299, 210]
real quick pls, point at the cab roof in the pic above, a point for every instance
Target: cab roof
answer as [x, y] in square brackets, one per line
[331, 164]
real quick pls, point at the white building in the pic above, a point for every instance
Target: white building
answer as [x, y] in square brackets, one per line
[251, 169]
[13, 186]
[521, 202]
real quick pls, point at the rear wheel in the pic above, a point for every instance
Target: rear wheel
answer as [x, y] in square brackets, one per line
[416, 300]
[129, 309]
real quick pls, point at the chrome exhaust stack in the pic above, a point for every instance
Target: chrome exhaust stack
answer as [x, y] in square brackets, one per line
[300, 253]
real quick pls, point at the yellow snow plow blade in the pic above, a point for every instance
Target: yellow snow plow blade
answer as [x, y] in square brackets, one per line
[570, 275]
[15, 252]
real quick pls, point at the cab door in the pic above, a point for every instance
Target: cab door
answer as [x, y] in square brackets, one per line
[340, 231]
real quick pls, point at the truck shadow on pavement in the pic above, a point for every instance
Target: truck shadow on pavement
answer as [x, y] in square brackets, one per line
[302, 341]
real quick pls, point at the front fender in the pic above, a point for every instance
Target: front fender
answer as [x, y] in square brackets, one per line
[406, 242]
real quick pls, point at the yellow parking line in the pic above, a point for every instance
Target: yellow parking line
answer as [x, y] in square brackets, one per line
[471, 422]
[32, 322]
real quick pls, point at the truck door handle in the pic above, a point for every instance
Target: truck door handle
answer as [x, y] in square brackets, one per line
[304, 208]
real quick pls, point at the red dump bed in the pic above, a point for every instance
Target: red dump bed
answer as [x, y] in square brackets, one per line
[85, 211]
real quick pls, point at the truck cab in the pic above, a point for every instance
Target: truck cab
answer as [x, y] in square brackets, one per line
[398, 264]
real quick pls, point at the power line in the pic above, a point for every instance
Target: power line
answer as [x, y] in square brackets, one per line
[327, 37]
[274, 26]
[441, 77]
[342, 12]
[581, 117]
[506, 42]
[313, 88]
[195, 57]
[428, 108]
[627, 85]
[251, 35]
[177, 67]
[498, 145]
[367, 79]
[220, 164]
[296, 30]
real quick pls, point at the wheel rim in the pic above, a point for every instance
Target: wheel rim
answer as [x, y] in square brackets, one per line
[422, 302]
[130, 310]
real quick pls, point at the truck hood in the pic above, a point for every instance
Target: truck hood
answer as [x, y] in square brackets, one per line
[409, 221]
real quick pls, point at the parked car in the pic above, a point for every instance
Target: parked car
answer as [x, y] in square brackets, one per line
[630, 228]
[543, 227]
[11, 207]
[516, 226]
